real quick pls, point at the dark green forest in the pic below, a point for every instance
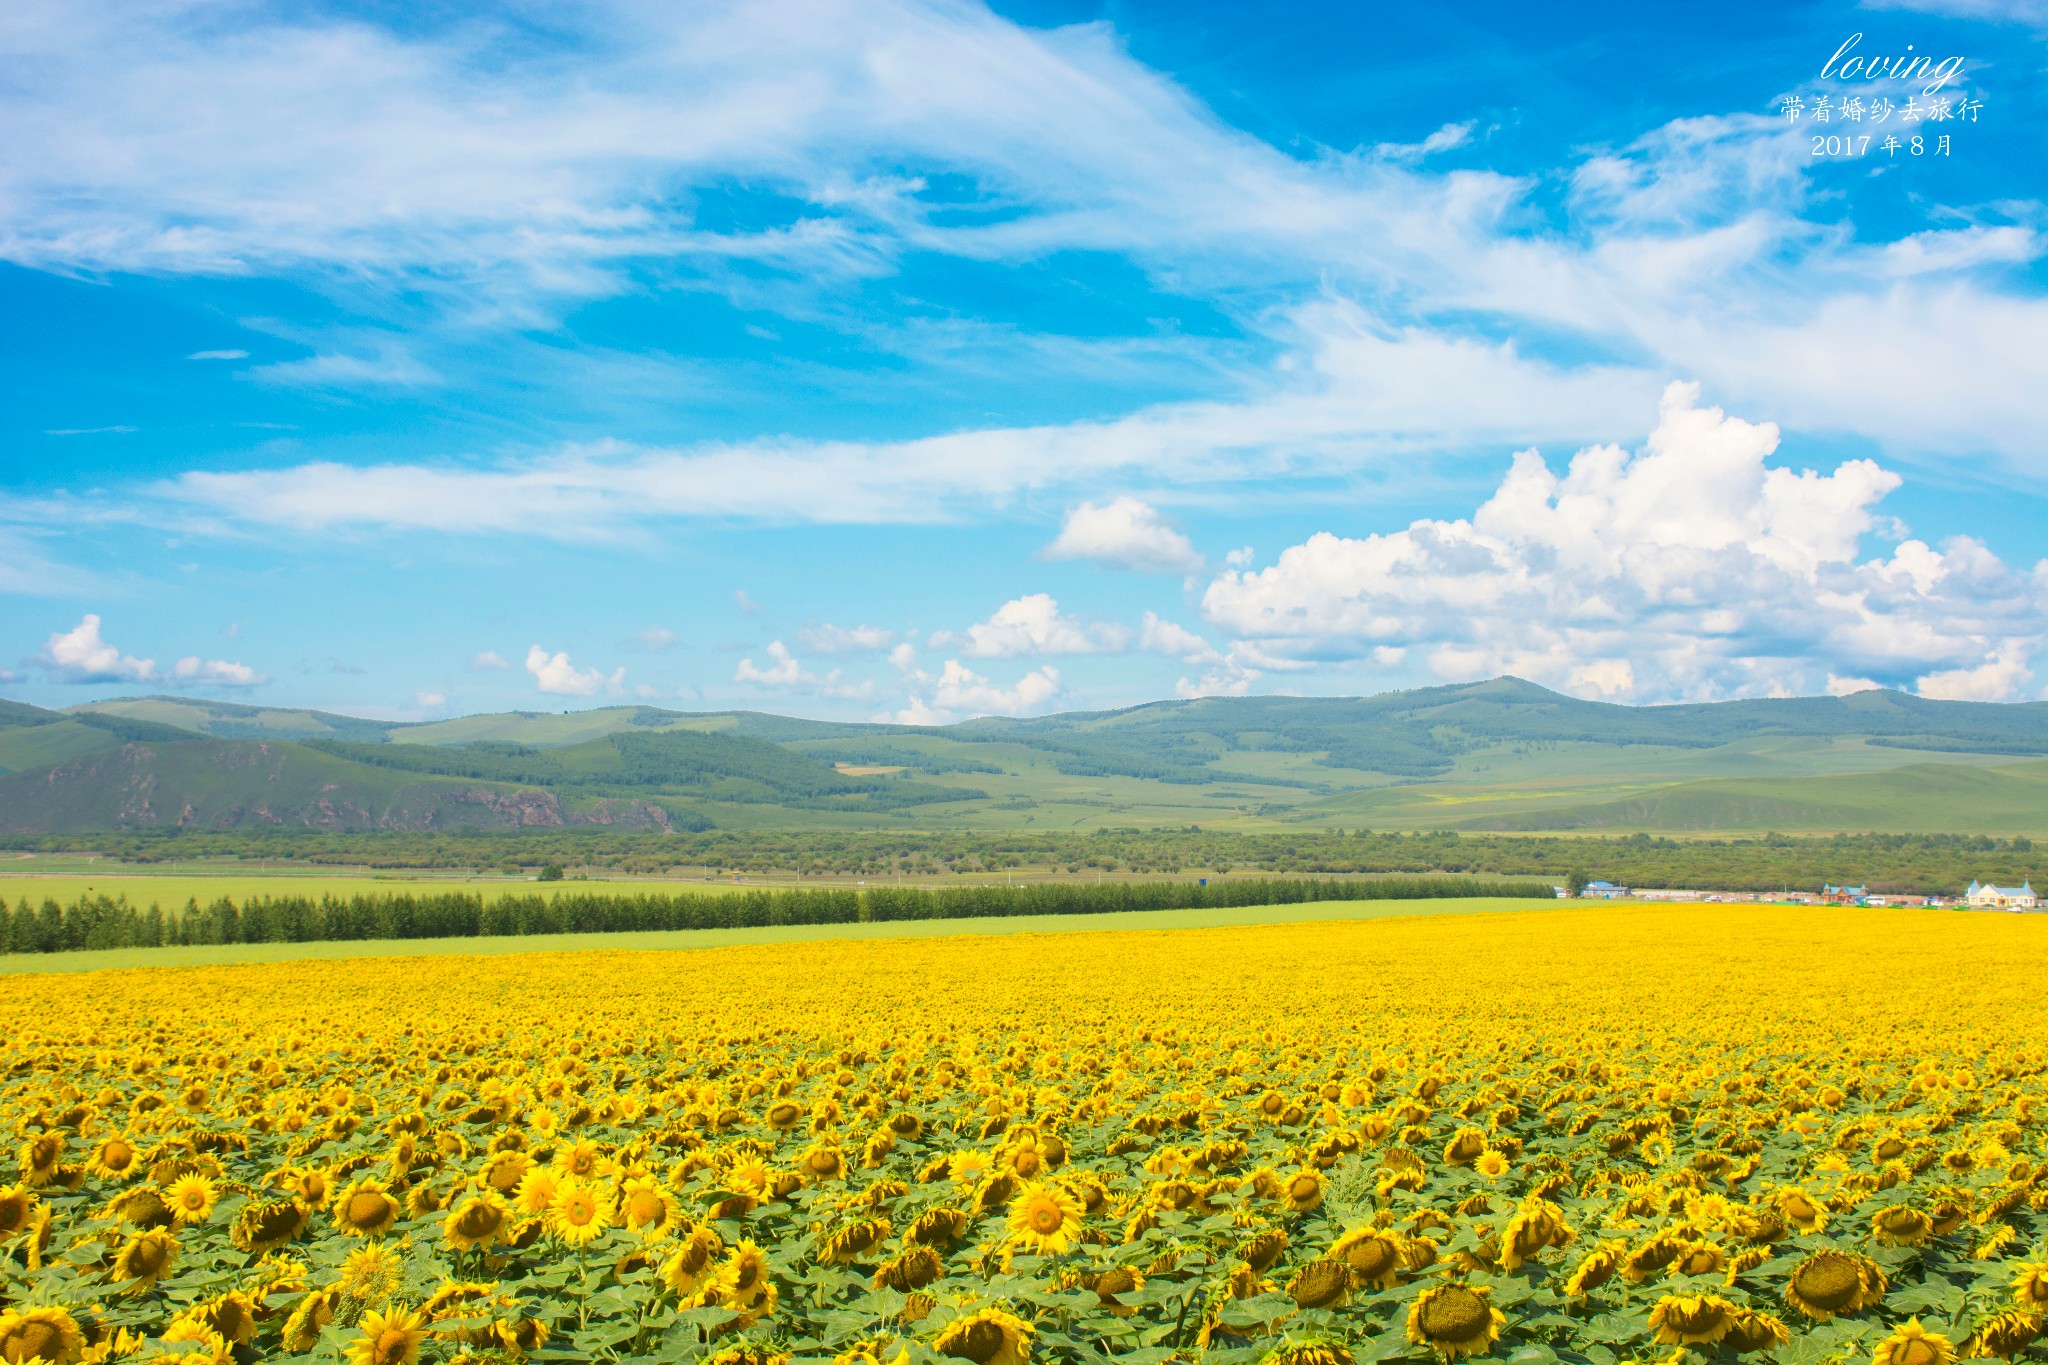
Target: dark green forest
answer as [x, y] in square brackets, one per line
[1919, 863]
[93, 922]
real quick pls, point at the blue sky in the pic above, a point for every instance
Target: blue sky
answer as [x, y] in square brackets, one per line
[931, 360]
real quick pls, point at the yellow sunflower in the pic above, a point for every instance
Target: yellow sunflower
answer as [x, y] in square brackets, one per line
[264, 1226]
[1801, 1209]
[1044, 1219]
[389, 1339]
[693, 1264]
[1455, 1320]
[1371, 1255]
[2030, 1286]
[987, 1336]
[370, 1274]
[40, 1334]
[41, 1156]
[146, 1258]
[1750, 1330]
[1321, 1284]
[17, 1206]
[479, 1221]
[581, 1212]
[191, 1198]
[911, 1271]
[1831, 1282]
[2005, 1334]
[113, 1158]
[537, 1191]
[1914, 1345]
[366, 1209]
[302, 1329]
[1691, 1319]
[1899, 1225]
[1303, 1190]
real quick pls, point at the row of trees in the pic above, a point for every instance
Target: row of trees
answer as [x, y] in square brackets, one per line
[1926, 863]
[114, 922]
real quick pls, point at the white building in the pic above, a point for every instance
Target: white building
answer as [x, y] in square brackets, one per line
[1986, 896]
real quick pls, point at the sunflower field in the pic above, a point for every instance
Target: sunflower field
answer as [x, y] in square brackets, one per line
[1614, 1134]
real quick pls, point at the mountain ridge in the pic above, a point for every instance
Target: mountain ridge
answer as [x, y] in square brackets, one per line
[1504, 753]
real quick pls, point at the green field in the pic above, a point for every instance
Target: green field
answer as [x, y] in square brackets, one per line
[174, 889]
[1162, 920]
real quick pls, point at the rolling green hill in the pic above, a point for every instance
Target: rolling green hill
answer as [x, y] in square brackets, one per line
[1498, 755]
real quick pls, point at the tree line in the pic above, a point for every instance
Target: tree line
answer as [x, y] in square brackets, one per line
[102, 921]
[1922, 863]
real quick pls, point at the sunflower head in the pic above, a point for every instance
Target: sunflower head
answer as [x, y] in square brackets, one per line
[1455, 1320]
[1831, 1282]
[366, 1209]
[988, 1336]
[1303, 1190]
[1691, 1319]
[1044, 1219]
[40, 1334]
[2005, 1334]
[1372, 1256]
[391, 1338]
[146, 1258]
[1912, 1344]
[1321, 1284]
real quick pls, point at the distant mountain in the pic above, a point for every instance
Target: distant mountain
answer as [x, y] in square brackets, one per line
[1503, 754]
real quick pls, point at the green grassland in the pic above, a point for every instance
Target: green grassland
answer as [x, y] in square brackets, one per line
[1500, 755]
[1160, 920]
[174, 889]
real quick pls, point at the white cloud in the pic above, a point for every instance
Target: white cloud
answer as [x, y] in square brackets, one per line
[489, 659]
[1442, 140]
[89, 431]
[1156, 635]
[825, 638]
[79, 655]
[785, 672]
[960, 691]
[429, 700]
[1839, 686]
[659, 637]
[556, 675]
[216, 673]
[218, 355]
[168, 143]
[1033, 625]
[1999, 678]
[1688, 569]
[745, 603]
[1124, 534]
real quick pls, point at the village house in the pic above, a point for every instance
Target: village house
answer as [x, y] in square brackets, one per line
[1984, 896]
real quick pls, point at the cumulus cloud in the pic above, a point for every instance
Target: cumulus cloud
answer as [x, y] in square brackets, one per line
[1690, 568]
[216, 673]
[1157, 635]
[79, 655]
[555, 675]
[783, 671]
[429, 700]
[1124, 533]
[825, 638]
[960, 691]
[490, 659]
[1033, 625]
